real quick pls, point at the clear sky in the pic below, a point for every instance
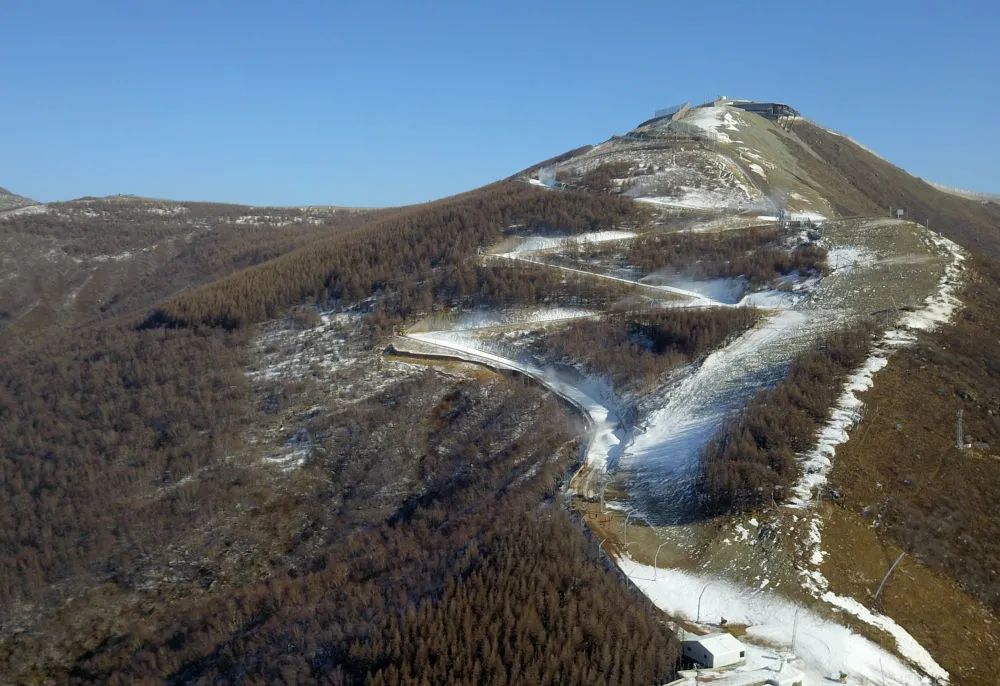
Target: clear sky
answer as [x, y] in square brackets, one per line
[378, 103]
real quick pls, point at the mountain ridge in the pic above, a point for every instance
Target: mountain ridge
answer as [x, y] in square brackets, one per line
[12, 201]
[266, 446]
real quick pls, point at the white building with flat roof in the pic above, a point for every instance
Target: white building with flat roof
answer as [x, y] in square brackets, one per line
[714, 650]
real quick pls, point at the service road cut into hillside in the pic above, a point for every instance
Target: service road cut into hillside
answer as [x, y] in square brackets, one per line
[881, 266]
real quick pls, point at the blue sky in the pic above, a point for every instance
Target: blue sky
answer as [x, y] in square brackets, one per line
[381, 103]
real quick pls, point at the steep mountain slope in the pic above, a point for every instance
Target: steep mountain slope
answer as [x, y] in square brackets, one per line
[231, 477]
[968, 195]
[859, 182]
[695, 172]
[902, 484]
[343, 512]
[645, 447]
[723, 159]
[717, 159]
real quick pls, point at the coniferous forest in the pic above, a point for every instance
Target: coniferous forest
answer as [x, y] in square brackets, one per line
[422, 542]
[216, 471]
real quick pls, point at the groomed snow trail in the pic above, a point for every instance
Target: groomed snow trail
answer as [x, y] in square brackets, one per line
[697, 299]
[823, 648]
[816, 464]
[542, 243]
[589, 396]
[661, 462]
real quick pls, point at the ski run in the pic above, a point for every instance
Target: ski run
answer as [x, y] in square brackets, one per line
[786, 640]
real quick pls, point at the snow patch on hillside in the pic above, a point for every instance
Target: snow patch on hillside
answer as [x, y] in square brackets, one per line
[713, 121]
[817, 463]
[487, 318]
[806, 216]
[535, 243]
[775, 299]
[722, 290]
[665, 455]
[846, 256]
[167, 210]
[287, 353]
[822, 646]
[905, 643]
[938, 309]
[692, 198]
[590, 395]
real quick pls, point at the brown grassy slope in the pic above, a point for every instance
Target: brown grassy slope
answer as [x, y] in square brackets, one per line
[931, 498]
[961, 634]
[902, 469]
[860, 183]
[904, 486]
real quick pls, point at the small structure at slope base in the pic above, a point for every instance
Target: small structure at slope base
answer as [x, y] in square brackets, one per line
[714, 650]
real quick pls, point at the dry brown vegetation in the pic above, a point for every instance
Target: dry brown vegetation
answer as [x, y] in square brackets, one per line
[859, 183]
[757, 254]
[422, 541]
[902, 470]
[421, 248]
[601, 178]
[501, 283]
[635, 349]
[961, 633]
[754, 254]
[90, 422]
[100, 258]
[94, 226]
[753, 458]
